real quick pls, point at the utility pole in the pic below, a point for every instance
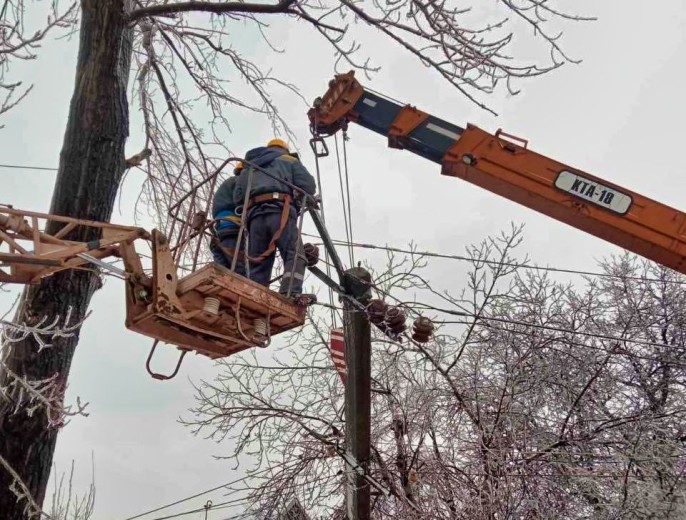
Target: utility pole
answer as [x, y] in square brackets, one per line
[358, 353]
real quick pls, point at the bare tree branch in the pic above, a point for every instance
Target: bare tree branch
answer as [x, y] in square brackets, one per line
[540, 417]
[17, 44]
[209, 7]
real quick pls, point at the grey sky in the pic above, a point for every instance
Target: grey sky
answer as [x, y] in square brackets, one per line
[618, 115]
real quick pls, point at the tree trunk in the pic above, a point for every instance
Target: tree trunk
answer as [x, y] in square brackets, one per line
[90, 170]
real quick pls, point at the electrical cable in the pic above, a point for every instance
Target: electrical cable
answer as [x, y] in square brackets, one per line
[477, 317]
[505, 320]
[228, 503]
[551, 328]
[350, 243]
[19, 167]
[197, 495]
[567, 342]
[516, 322]
[499, 263]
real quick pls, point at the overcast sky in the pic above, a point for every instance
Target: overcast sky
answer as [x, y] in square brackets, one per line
[619, 115]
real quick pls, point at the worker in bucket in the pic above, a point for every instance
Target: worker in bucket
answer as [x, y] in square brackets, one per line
[228, 223]
[272, 214]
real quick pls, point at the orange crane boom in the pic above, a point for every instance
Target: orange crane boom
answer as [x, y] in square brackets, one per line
[503, 164]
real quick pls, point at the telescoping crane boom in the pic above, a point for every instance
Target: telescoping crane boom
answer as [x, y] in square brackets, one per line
[503, 164]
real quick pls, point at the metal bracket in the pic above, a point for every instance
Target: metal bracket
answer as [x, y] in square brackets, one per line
[319, 147]
[338, 289]
[504, 139]
[103, 265]
[162, 377]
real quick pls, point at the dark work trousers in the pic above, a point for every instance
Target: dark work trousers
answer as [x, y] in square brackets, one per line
[224, 255]
[263, 223]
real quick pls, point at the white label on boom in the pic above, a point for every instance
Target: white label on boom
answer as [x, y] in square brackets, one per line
[592, 191]
[443, 131]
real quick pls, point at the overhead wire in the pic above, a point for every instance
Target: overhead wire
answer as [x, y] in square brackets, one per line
[567, 342]
[234, 503]
[21, 167]
[180, 501]
[514, 322]
[350, 243]
[220, 505]
[498, 262]
[474, 316]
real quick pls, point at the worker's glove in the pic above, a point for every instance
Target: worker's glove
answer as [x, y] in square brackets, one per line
[311, 254]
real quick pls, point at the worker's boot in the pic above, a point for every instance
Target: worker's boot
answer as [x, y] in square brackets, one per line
[304, 300]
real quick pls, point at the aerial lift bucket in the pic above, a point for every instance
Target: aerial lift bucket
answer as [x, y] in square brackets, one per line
[211, 311]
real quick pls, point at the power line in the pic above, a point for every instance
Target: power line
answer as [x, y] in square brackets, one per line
[497, 262]
[510, 321]
[351, 244]
[221, 505]
[196, 495]
[569, 342]
[562, 330]
[19, 167]
[566, 341]
[235, 502]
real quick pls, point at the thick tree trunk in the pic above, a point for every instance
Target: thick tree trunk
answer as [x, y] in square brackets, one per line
[91, 168]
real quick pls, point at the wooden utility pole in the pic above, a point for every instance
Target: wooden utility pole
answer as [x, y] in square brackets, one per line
[357, 282]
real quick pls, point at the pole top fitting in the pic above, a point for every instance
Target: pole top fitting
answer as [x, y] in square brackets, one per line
[357, 282]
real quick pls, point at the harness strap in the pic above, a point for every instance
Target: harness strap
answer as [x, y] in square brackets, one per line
[282, 225]
[229, 252]
[286, 199]
[268, 197]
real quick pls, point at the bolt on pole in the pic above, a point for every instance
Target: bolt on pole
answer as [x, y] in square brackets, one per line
[357, 282]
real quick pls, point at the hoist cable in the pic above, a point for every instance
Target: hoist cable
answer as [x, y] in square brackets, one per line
[347, 189]
[345, 211]
[326, 252]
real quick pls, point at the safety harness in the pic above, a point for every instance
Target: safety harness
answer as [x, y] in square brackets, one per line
[271, 197]
[227, 220]
[259, 199]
